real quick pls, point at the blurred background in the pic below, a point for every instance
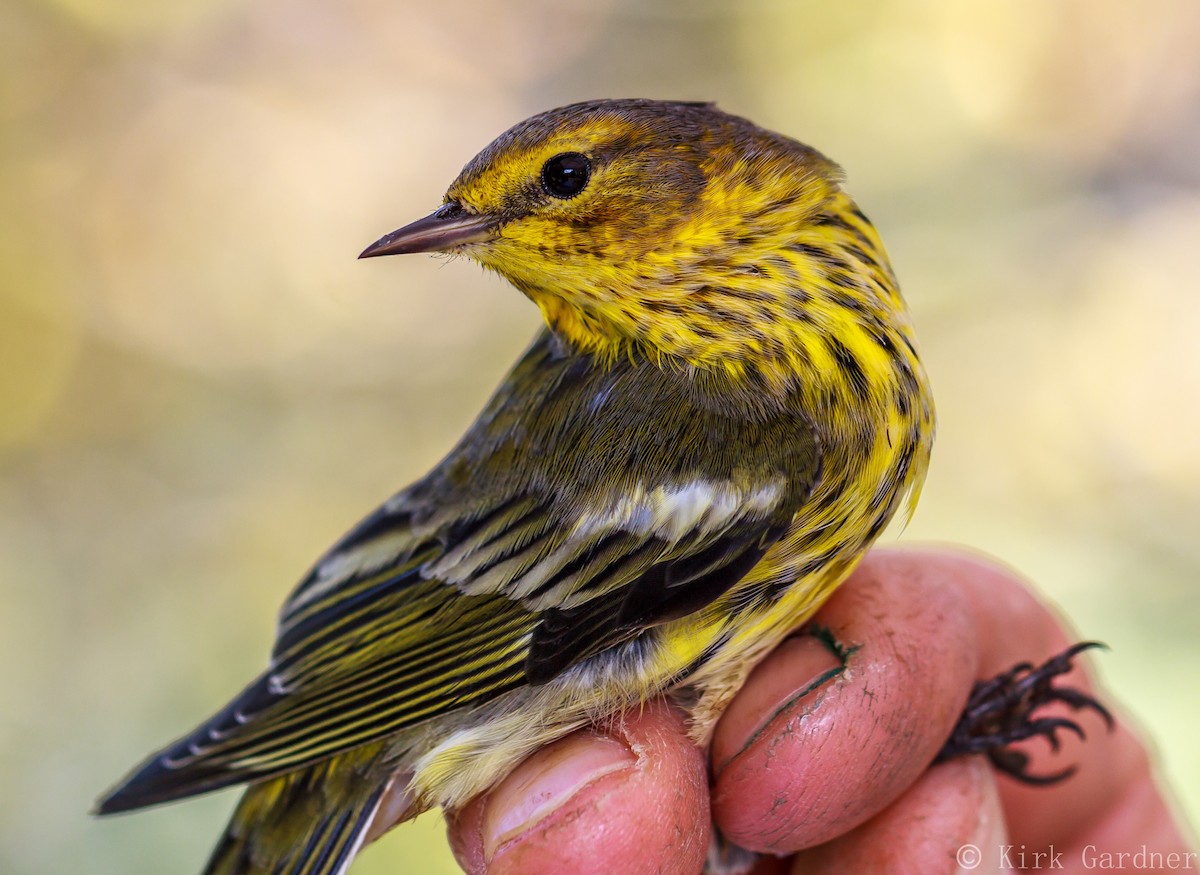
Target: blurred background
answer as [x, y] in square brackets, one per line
[201, 388]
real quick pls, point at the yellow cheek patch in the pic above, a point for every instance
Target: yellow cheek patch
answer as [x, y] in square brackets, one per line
[520, 170]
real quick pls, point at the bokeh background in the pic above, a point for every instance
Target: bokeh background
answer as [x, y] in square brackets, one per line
[200, 388]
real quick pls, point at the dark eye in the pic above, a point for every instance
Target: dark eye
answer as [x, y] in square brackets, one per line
[566, 175]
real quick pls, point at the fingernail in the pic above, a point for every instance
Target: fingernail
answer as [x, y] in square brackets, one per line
[797, 670]
[544, 782]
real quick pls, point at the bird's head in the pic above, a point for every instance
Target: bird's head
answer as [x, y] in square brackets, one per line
[673, 229]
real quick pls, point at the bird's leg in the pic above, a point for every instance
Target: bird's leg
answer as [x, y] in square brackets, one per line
[1000, 712]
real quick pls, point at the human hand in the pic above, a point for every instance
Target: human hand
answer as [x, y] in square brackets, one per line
[831, 759]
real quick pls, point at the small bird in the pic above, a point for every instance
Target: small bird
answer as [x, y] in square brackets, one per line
[724, 409]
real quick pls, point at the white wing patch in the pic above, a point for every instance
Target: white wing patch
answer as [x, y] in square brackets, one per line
[692, 510]
[671, 512]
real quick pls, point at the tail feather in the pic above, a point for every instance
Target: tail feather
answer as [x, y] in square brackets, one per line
[310, 822]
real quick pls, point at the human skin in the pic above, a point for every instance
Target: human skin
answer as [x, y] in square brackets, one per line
[822, 762]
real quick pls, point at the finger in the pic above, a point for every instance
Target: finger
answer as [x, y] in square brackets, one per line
[801, 757]
[950, 821]
[631, 799]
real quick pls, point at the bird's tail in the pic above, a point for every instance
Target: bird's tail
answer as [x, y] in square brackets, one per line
[309, 822]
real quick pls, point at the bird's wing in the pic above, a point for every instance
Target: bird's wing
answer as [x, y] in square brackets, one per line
[397, 625]
[510, 595]
[450, 595]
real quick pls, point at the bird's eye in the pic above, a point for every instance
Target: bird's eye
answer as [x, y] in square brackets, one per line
[566, 175]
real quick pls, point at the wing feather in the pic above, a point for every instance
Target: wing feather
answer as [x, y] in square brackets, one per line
[379, 653]
[459, 589]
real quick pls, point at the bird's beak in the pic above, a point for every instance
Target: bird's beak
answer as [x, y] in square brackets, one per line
[445, 228]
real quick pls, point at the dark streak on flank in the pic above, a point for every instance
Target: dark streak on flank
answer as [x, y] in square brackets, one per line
[859, 214]
[877, 333]
[812, 251]
[877, 526]
[904, 461]
[848, 302]
[850, 366]
[859, 254]
[844, 280]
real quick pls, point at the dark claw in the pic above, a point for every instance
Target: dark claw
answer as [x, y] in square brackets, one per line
[1015, 763]
[1047, 727]
[1000, 713]
[1079, 701]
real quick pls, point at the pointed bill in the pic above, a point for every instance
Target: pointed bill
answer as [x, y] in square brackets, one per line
[447, 227]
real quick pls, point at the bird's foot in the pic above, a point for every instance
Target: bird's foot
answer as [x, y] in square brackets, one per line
[1000, 712]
